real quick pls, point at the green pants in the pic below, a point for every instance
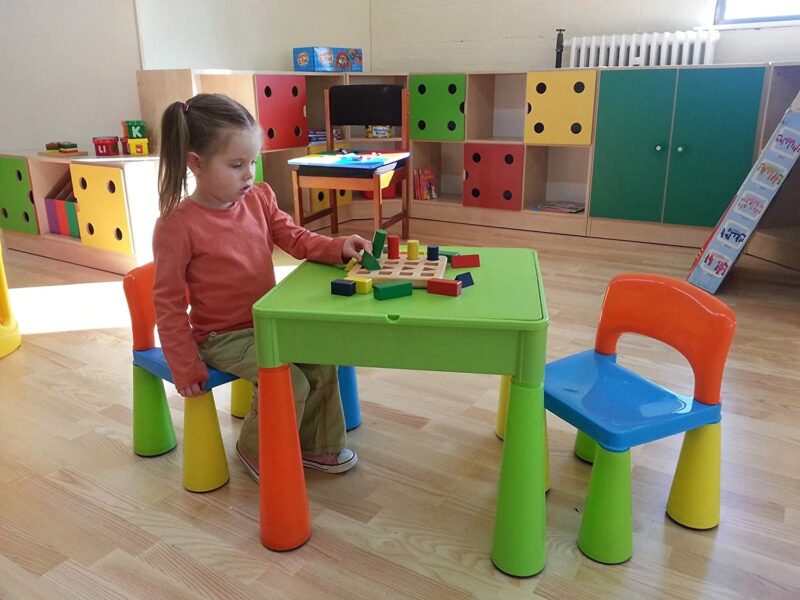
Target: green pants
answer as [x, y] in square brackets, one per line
[316, 394]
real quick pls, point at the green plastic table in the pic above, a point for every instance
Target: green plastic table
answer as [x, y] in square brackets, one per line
[498, 326]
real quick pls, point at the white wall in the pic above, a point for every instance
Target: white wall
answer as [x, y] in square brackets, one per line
[246, 34]
[509, 35]
[67, 71]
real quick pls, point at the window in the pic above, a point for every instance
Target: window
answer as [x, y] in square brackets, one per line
[763, 11]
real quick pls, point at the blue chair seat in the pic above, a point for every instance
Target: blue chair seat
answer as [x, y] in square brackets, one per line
[153, 361]
[616, 407]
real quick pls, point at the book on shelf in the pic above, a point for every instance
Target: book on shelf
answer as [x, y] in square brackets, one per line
[425, 186]
[560, 207]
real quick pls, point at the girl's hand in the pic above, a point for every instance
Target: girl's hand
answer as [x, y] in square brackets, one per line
[195, 389]
[353, 246]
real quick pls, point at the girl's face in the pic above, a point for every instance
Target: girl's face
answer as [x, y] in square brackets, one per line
[227, 175]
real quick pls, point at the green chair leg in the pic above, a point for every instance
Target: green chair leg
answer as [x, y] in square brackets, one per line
[585, 447]
[153, 433]
[606, 533]
[241, 397]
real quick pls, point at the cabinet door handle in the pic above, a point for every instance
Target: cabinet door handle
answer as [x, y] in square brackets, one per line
[658, 147]
[680, 149]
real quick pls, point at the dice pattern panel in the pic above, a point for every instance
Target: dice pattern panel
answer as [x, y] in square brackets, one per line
[493, 175]
[437, 106]
[560, 107]
[17, 212]
[102, 208]
[281, 102]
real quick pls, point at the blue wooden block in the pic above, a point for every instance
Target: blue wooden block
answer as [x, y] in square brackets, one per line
[433, 252]
[465, 279]
[343, 287]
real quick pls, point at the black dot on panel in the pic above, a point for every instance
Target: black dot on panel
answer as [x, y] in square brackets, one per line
[295, 91]
[342, 193]
[538, 127]
[476, 157]
[466, 173]
[4, 212]
[451, 125]
[112, 187]
[421, 88]
[297, 131]
[507, 195]
[118, 234]
[268, 91]
[509, 158]
[541, 87]
[83, 183]
[26, 216]
[90, 228]
[578, 87]
[452, 88]
[461, 108]
[270, 133]
[422, 125]
[530, 108]
[19, 175]
[575, 128]
[475, 192]
[30, 196]
[320, 196]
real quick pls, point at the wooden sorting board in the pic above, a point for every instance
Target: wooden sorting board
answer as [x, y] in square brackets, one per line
[401, 269]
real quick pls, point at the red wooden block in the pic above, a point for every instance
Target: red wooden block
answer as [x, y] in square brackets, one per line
[445, 287]
[463, 261]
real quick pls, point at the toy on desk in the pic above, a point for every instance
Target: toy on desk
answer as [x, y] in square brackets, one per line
[363, 284]
[391, 289]
[415, 271]
[444, 287]
[465, 279]
[343, 287]
[462, 261]
[62, 148]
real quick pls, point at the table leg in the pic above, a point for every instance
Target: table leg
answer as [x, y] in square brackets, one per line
[519, 546]
[285, 521]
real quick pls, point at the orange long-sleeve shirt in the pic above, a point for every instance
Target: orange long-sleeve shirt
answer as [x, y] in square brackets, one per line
[224, 258]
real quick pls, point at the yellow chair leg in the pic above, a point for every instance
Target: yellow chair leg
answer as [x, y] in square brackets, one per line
[205, 466]
[500, 425]
[241, 397]
[694, 497]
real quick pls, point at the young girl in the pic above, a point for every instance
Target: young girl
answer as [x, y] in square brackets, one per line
[217, 244]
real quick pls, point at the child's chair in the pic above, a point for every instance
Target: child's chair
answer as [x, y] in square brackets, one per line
[615, 409]
[205, 466]
[10, 338]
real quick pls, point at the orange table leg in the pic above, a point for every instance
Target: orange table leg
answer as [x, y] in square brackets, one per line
[285, 521]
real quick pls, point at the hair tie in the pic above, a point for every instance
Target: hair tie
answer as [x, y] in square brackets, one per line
[185, 107]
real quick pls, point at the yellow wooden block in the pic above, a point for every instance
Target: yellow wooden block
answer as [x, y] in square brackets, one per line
[102, 207]
[138, 146]
[353, 262]
[363, 284]
[560, 107]
[412, 249]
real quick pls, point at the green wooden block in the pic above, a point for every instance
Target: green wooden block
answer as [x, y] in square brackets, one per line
[72, 219]
[369, 262]
[378, 239]
[448, 253]
[135, 130]
[394, 289]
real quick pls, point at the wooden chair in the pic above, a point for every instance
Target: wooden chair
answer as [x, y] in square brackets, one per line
[360, 105]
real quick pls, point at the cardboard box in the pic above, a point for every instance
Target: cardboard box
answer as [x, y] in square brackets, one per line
[328, 59]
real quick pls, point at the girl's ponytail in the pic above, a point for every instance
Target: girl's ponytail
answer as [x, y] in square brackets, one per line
[174, 146]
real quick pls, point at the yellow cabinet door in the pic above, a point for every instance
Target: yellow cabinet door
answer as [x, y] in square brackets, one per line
[560, 107]
[102, 208]
[321, 201]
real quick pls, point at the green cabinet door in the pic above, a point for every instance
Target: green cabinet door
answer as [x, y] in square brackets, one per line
[634, 118]
[17, 212]
[713, 138]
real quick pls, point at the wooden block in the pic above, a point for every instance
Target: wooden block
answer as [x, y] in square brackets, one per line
[465, 279]
[445, 287]
[448, 254]
[393, 289]
[465, 260]
[433, 253]
[394, 247]
[369, 262]
[363, 284]
[353, 262]
[412, 249]
[378, 239]
[418, 272]
[343, 287]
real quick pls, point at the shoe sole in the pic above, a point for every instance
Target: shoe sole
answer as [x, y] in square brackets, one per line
[339, 468]
[253, 473]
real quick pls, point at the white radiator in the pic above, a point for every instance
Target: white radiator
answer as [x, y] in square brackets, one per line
[644, 49]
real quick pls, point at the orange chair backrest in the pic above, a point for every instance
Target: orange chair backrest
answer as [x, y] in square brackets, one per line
[138, 286]
[676, 313]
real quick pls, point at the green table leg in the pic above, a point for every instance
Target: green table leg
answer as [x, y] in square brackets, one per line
[519, 546]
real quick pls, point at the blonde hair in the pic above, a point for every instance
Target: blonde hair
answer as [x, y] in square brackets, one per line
[193, 126]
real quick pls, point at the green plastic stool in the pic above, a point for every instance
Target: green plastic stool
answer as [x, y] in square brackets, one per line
[153, 432]
[585, 447]
[606, 533]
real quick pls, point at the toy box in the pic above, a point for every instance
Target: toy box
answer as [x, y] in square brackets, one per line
[735, 228]
[324, 58]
